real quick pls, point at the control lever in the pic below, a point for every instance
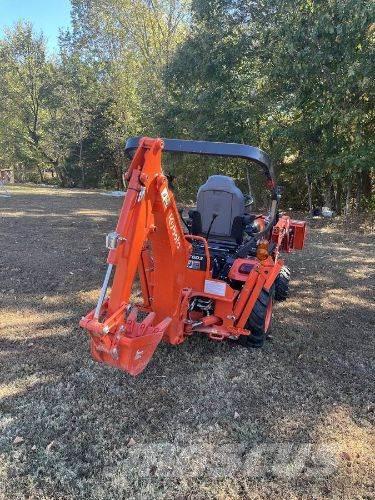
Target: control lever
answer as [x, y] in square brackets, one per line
[214, 215]
[180, 211]
[248, 248]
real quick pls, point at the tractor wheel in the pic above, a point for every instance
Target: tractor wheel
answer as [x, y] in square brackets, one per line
[282, 284]
[259, 322]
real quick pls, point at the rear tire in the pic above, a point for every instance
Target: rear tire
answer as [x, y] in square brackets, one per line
[282, 284]
[260, 319]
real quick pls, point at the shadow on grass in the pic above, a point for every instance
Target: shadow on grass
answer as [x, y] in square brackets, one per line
[76, 417]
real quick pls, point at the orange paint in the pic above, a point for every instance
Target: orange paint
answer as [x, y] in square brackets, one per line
[152, 243]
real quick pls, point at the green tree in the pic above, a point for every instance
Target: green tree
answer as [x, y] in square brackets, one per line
[295, 78]
[25, 80]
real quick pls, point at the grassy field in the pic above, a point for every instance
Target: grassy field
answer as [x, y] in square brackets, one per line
[205, 419]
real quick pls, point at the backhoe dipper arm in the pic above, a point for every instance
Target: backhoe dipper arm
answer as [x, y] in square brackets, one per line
[149, 214]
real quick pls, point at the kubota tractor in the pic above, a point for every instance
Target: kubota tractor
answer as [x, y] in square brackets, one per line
[219, 277]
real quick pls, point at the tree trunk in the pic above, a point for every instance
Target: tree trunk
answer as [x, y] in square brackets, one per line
[81, 125]
[40, 172]
[367, 184]
[59, 170]
[309, 193]
[358, 195]
[80, 162]
[338, 196]
[348, 197]
[118, 165]
[327, 196]
[250, 191]
[333, 197]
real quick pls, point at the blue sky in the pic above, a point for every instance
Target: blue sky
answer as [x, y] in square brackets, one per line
[46, 15]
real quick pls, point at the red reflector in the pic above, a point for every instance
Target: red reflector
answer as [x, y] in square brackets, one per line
[245, 268]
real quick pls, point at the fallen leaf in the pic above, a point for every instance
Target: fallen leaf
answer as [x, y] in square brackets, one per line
[236, 415]
[18, 440]
[49, 446]
[345, 456]
[131, 442]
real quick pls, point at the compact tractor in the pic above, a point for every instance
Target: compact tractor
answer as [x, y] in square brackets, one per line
[217, 272]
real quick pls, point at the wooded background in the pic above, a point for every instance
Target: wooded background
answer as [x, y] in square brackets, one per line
[295, 78]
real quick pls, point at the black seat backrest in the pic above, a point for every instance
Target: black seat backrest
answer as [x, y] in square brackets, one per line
[220, 195]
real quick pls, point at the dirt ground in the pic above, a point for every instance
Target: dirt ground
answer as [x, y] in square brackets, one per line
[205, 419]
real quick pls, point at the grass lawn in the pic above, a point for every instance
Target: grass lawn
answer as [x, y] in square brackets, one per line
[205, 419]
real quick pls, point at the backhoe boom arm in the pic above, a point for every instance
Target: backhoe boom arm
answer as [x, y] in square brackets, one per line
[149, 218]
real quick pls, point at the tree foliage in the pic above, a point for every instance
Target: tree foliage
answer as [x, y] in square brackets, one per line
[293, 77]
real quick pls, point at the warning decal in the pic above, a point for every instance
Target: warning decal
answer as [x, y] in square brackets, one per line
[165, 197]
[215, 287]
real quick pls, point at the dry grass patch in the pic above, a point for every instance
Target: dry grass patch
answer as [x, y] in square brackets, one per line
[205, 420]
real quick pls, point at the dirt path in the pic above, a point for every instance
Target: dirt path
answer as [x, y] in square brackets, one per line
[207, 420]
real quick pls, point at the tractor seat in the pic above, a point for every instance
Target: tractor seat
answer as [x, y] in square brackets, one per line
[219, 195]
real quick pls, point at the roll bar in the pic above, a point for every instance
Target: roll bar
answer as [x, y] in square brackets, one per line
[224, 149]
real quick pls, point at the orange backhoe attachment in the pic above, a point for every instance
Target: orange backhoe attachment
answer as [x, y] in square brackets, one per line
[179, 298]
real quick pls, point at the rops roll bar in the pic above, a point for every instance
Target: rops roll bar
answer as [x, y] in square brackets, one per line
[231, 150]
